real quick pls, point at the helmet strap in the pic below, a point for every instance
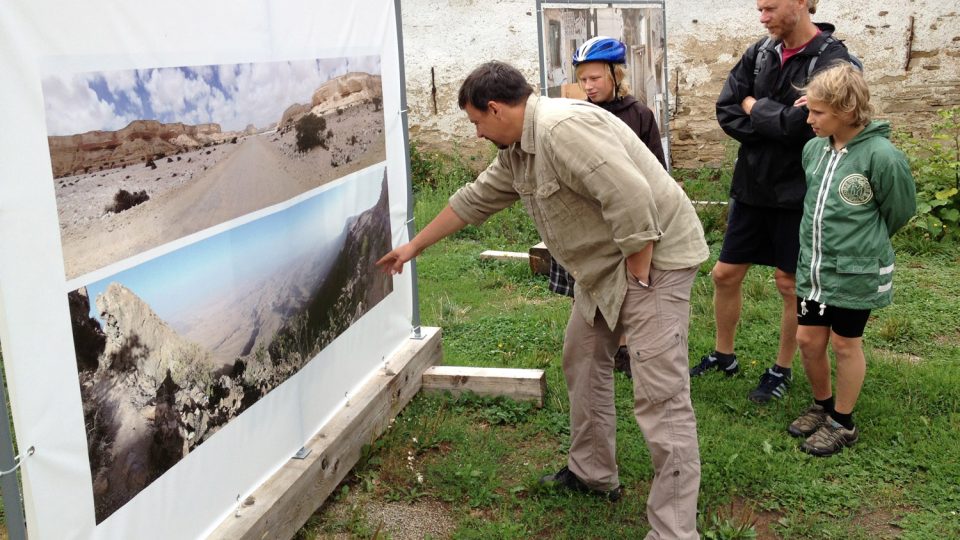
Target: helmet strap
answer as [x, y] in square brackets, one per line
[616, 83]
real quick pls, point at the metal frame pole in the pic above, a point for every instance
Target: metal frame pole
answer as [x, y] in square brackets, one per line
[9, 481]
[540, 47]
[666, 90]
[404, 122]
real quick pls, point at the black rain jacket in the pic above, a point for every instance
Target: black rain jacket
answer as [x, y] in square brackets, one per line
[641, 120]
[768, 172]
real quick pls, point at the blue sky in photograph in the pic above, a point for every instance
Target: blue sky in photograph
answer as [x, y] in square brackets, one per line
[234, 96]
[216, 266]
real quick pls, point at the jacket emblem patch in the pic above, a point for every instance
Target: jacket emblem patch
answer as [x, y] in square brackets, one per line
[855, 190]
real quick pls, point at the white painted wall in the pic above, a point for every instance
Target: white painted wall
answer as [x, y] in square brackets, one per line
[452, 37]
[705, 38]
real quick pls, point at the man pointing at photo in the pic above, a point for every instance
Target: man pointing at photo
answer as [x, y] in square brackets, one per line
[611, 215]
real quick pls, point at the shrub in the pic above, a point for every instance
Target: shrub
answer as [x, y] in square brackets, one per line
[309, 129]
[935, 162]
[124, 200]
[151, 164]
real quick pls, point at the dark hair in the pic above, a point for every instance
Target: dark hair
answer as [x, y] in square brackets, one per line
[493, 81]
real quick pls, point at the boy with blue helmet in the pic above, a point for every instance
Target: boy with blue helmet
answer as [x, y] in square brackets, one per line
[601, 73]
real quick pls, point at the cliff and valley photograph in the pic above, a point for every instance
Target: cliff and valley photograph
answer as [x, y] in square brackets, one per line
[171, 350]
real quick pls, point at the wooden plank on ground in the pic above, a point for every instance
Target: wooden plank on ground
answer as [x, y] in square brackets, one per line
[517, 384]
[540, 259]
[281, 506]
[504, 255]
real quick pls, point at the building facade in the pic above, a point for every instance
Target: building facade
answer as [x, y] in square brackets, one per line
[911, 50]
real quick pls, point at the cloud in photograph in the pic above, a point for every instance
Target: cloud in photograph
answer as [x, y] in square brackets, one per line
[233, 96]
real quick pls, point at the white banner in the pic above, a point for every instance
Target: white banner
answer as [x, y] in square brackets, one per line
[192, 196]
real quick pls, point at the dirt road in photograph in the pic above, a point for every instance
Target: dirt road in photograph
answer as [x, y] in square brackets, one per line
[255, 175]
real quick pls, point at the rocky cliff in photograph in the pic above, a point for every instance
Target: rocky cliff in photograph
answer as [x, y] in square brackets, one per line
[151, 395]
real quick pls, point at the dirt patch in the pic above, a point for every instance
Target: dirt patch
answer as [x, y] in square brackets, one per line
[892, 356]
[401, 521]
[948, 339]
[742, 510]
[880, 523]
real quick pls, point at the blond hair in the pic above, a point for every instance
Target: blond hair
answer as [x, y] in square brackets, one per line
[812, 6]
[843, 88]
[619, 70]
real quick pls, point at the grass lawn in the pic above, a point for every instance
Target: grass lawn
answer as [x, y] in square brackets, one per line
[468, 467]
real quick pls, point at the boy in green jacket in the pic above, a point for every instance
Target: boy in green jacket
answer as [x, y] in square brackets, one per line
[859, 192]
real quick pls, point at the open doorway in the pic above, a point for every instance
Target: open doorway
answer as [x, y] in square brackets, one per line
[641, 26]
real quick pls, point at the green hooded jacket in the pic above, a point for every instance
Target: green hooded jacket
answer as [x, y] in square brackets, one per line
[856, 199]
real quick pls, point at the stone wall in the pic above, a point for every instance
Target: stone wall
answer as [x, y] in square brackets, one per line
[911, 49]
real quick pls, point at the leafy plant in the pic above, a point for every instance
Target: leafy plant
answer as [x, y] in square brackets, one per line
[935, 162]
[124, 200]
[309, 132]
[727, 524]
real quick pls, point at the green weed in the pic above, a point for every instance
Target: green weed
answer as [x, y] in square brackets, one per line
[482, 457]
[935, 162]
[728, 524]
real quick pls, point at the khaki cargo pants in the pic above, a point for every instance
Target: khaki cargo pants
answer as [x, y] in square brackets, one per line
[655, 321]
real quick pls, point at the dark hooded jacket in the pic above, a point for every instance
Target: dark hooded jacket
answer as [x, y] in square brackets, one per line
[768, 172]
[641, 120]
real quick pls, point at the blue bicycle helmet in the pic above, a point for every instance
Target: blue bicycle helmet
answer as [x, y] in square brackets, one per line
[600, 49]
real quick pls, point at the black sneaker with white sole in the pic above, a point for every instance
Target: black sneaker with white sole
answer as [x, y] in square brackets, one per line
[711, 361]
[772, 385]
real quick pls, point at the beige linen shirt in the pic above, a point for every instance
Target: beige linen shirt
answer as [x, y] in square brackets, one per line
[596, 194]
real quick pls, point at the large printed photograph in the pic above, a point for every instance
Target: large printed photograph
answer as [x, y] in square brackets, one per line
[144, 157]
[170, 351]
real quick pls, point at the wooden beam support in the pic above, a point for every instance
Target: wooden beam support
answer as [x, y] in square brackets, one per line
[504, 255]
[517, 384]
[540, 259]
[280, 507]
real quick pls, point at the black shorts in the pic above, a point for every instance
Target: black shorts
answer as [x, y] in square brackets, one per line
[758, 235]
[848, 323]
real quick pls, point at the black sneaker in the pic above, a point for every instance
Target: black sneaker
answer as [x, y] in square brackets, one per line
[710, 361]
[566, 479]
[621, 362]
[772, 385]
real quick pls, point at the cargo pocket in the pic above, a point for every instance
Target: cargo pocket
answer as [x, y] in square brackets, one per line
[660, 368]
[858, 277]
